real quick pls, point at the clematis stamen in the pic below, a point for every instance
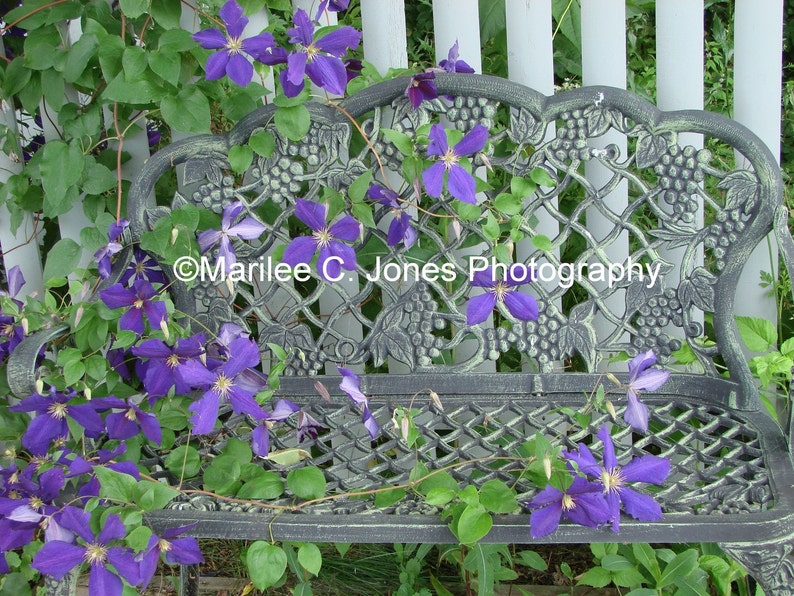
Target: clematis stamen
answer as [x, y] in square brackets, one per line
[95, 554]
[222, 385]
[612, 480]
[323, 237]
[567, 502]
[57, 410]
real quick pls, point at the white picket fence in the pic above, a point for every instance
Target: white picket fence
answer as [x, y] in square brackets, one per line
[680, 64]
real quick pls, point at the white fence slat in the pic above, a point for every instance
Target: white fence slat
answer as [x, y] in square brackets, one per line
[604, 63]
[384, 36]
[458, 20]
[758, 67]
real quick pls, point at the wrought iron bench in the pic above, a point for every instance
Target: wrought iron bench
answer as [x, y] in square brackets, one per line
[731, 480]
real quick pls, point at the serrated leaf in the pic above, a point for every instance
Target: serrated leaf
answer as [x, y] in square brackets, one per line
[650, 148]
[740, 189]
[759, 335]
[307, 483]
[698, 290]
[596, 121]
[578, 333]
[525, 128]
[266, 564]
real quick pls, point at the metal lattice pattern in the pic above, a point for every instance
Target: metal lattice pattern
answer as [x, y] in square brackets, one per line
[717, 460]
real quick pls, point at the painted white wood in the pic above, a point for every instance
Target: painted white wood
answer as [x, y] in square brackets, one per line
[604, 63]
[384, 38]
[458, 20]
[758, 31]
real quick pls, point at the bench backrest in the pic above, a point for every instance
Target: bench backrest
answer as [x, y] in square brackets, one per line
[625, 193]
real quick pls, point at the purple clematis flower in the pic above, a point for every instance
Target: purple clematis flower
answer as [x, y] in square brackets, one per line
[332, 6]
[230, 60]
[39, 508]
[142, 266]
[103, 255]
[130, 421]
[320, 59]
[180, 551]
[333, 254]
[50, 423]
[223, 384]
[166, 363]
[453, 64]
[138, 299]
[247, 229]
[57, 558]
[260, 437]
[421, 87]
[79, 466]
[518, 304]
[351, 385]
[642, 378]
[460, 183]
[613, 478]
[307, 427]
[15, 282]
[583, 503]
[400, 229]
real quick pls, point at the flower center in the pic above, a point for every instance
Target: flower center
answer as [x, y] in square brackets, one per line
[138, 303]
[131, 415]
[172, 361]
[567, 502]
[57, 410]
[311, 51]
[7, 329]
[500, 290]
[164, 545]
[234, 45]
[222, 385]
[95, 554]
[323, 237]
[450, 158]
[612, 480]
[36, 503]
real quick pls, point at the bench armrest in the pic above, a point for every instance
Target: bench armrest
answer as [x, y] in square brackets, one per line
[22, 361]
[786, 247]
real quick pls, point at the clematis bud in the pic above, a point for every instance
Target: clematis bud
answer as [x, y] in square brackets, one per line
[174, 235]
[39, 386]
[24, 323]
[611, 409]
[87, 392]
[78, 315]
[405, 427]
[436, 399]
[164, 328]
[614, 379]
[547, 467]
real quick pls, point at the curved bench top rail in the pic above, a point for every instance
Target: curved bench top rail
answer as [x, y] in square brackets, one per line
[421, 322]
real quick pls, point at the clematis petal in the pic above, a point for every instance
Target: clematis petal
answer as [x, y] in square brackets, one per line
[479, 307]
[290, 89]
[296, 68]
[150, 427]
[234, 29]
[312, 213]
[438, 141]
[57, 558]
[433, 179]
[260, 440]
[240, 70]
[610, 460]
[647, 468]
[461, 185]
[651, 379]
[545, 520]
[300, 250]
[216, 65]
[329, 73]
[243, 402]
[636, 412]
[230, 12]
[484, 278]
[370, 423]
[248, 229]
[112, 529]
[521, 306]
[117, 296]
[205, 413]
[184, 551]
[641, 362]
[639, 506]
[337, 42]
[351, 384]
[152, 348]
[101, 582]
[473, 142]
[584, 460]
[210, 39]
[303, 32]
[346, 228]
[259, 45]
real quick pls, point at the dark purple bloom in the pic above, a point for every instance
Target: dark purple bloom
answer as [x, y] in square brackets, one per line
[138, 299]
[308, 427]
[353, 67]
[179, 551]
[142, 266]
[583, 503]
[50, 423]
[320, 59]
[642, 378]
[166, 363]
[460, 183]
[39, 508]
[130, 421]
[79, 466]
[102, 256]
[10, 335]
[421, 87]
[248, 229]
[57, 558]
[400, 229]
[223, 384]
[613, 478]
[518, 304]
[453, 64]
[219, 347]
[117, 358]
[230, 60]
[351, 385]
[260, 438]
[153, 134]
[15, 282]
[333, 254]
[332, 6]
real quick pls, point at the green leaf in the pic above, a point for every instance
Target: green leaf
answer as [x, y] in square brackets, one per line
[293, 122]
[138, 539]
[266, 564]
[166, 13]
[683, 564]
[492, 20]
[222, 474]
[115, 485]
[403, 142]
[176, 40]
[16, 77]
[62, 258]
[188, 111]
[541, 242]
[134, 63]
[239, 451]
[61, 168]
[307, 483]
[131, 92]
[263, 143]
[616, 563]
[628, 577]
[358, 190]
[266, 486]
[97, 178]
[541, 177]
[80, 53]
[497, 497]
[310, 558]
[646, 557]
[184, 456]
[389, 497]
[240, 158]
[521, 187]
[439, 496]
[363, 212]
[134, 8]
[166, 64]
[507, 203]
[473, 525]
[491, 227]
[597, 577]
[155, 495]
[532, 560]
[759, 335]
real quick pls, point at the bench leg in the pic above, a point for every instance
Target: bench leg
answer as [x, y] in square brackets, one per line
[67, 586]
[188, 580]
[770, 563]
